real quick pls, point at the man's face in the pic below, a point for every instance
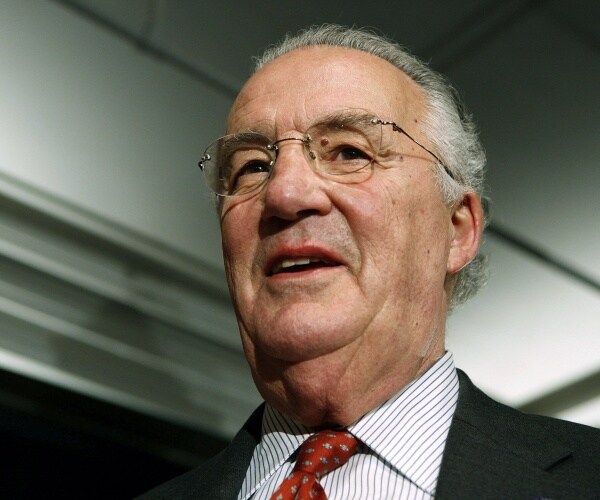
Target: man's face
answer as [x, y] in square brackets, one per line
[367, 314]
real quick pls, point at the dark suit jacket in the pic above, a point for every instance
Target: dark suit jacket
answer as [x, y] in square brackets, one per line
[492, 452]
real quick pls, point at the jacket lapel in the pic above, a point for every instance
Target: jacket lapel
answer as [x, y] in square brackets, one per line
[226, 475]
[494, 451]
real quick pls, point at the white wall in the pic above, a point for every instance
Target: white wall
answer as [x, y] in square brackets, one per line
[112, 282]
[93, 121]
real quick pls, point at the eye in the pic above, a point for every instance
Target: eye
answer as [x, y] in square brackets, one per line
[254, 167]
[249, 175]
[350, 153]
[341, 146]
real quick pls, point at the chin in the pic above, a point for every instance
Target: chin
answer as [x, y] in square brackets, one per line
[304, 403]
[301, 334]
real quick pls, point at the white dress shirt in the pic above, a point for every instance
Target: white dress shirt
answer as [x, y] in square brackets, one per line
[403, 441]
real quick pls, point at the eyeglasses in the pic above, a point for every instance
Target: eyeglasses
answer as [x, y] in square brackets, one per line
[343, 147]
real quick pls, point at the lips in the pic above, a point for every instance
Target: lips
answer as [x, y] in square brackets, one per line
[301, 259]
[300, 264]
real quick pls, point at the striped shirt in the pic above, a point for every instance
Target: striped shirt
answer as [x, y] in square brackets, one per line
[403, 441]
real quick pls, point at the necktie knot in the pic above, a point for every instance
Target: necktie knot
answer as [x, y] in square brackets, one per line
[325, 451]
[320, 454]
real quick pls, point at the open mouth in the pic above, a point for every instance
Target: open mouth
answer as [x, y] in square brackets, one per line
[300, 264]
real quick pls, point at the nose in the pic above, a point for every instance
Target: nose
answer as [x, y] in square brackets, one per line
[294, 189]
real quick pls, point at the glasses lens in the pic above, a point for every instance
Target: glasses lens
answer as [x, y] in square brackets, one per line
[237, 164]
[346, 149]
[343, 147]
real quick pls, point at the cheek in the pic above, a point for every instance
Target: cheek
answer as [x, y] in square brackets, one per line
[402, 230]
[238, 240]
[231, 236]
[381, 219]
[237, 224]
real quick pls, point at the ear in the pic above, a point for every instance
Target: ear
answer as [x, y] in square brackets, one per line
[467, 228]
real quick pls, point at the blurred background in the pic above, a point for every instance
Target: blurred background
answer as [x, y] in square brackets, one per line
[120, 363]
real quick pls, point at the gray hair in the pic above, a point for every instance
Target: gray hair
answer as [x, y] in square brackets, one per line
[447, 124]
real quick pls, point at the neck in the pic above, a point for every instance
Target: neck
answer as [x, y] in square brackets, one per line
[319, 393]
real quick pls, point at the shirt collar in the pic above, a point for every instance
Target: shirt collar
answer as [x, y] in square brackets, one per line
[388, 429]
[281, 437]
[409, 430]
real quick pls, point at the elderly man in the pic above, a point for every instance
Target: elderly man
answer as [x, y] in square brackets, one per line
[349, 199]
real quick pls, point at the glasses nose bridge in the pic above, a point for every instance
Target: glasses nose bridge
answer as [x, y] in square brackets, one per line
[275, 147]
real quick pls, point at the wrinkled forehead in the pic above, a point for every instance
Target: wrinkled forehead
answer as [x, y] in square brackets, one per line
[298, 88]
[340, 119]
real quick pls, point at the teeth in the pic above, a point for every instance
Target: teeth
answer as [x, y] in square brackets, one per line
[301, 261]
[294, 262]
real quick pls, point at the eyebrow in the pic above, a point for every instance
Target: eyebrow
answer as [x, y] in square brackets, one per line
[345, 118]
[243, 137]
[230, 143]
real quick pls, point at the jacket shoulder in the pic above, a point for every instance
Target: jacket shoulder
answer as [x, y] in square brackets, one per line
[221, 476]
[531, 435]
[495, 451]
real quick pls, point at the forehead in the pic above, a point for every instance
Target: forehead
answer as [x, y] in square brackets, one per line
[295, 89]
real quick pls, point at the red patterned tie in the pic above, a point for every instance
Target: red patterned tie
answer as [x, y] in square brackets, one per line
[319, 454]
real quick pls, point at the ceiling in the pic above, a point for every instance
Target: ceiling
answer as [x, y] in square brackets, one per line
[529, 72]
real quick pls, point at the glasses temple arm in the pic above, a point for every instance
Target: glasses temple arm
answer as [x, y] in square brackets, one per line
[397, 128]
